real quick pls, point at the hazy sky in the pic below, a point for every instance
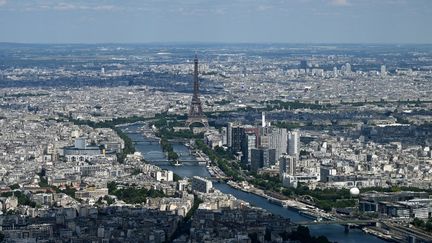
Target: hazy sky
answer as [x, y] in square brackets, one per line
[290, 21]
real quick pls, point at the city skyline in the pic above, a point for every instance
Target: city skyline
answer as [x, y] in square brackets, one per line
[239, 21]
[191, 121]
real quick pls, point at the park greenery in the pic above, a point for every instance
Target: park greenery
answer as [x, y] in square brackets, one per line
[43, 182]
[107, 199]
[422, 224]
[14, 186]
[167, 148]
[129, 148]
[229, 167]
[165, 132]
[23, 199]
[108, 123]
[70, 191]
[131, 194]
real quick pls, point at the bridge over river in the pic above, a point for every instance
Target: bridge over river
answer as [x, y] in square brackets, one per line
[188, 162]
[347, 223]
[340, 221]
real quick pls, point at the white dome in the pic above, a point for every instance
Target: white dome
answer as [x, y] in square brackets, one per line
[354, 191]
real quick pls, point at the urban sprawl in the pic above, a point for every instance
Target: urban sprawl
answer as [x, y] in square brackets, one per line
[341, 134]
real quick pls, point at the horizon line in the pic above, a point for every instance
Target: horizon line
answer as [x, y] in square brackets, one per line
[211, 43]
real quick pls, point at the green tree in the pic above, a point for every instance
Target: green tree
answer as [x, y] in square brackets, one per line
[428, 225]
[14, 186]
[418, 223]
[132, 194]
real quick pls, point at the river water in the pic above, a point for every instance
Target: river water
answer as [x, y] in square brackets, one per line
[153, 152]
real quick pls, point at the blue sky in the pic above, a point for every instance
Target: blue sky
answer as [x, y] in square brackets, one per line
[286, 21]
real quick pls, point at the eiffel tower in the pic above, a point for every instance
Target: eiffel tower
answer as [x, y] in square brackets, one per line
[196, 114]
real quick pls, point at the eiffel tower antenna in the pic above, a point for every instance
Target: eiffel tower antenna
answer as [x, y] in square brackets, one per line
[196, 114]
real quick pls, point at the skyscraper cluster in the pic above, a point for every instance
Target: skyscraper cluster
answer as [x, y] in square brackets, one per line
[262, 146]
